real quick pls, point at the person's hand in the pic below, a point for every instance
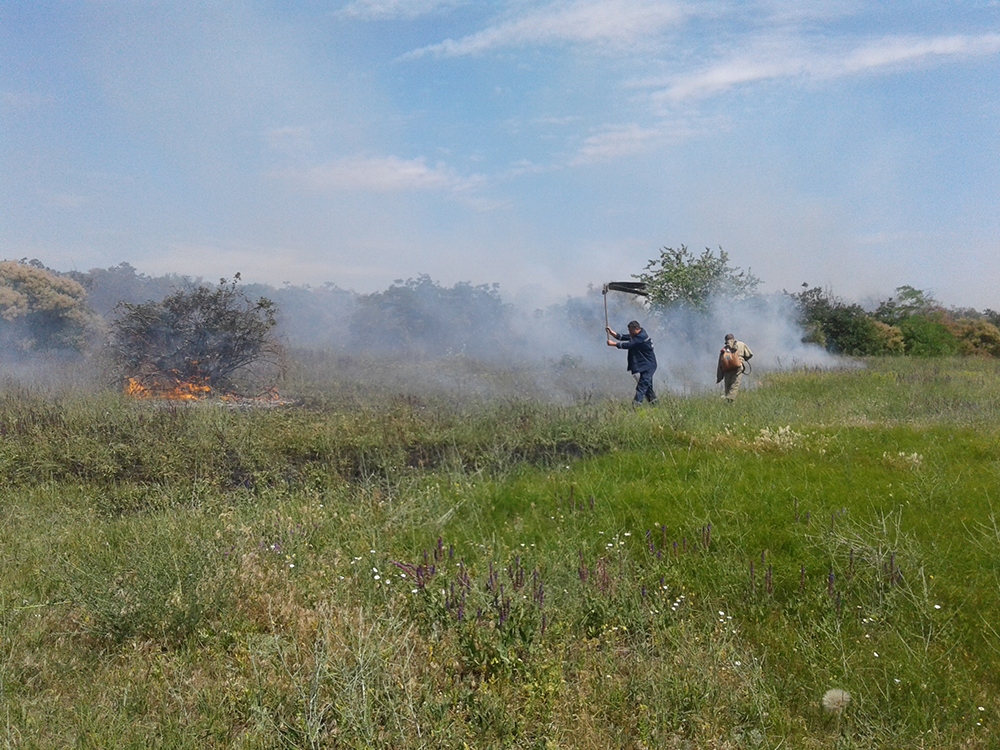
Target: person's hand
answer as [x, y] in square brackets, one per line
[610, 332]
[612, 343]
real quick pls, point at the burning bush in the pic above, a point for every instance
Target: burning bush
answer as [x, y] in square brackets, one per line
[197, 340]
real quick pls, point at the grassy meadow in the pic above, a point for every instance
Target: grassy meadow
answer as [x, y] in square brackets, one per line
[387, 566]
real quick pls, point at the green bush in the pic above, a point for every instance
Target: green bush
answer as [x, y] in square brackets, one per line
[928, 335]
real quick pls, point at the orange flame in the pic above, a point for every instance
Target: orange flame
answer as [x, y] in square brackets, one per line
[176, 391]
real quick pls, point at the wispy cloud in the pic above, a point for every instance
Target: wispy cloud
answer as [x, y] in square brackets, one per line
[384, 10]
[615, 142]
[384, 174]
[770, 62]
[620, 23]
[904, 50]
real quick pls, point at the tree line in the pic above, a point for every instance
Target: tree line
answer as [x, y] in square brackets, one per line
[220, 327]
[911, 322]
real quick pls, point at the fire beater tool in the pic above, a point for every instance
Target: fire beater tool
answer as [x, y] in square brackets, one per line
[628, 287]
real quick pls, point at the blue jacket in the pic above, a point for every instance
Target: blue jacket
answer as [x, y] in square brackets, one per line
[640, 351]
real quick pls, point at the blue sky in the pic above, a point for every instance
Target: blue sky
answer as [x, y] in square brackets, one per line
[541, 145]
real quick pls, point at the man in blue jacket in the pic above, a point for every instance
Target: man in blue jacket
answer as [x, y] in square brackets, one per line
[641, 359]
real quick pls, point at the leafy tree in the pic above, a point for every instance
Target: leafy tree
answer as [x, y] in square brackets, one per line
[199, 335]
[41, 310]
[679, 278]
[906, 303]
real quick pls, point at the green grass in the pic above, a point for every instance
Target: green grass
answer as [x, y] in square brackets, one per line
[401, 569]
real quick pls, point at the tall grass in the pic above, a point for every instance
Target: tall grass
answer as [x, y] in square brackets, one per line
[400, 569]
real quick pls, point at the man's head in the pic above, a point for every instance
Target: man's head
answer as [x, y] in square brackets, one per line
[634, 327]
[730, 337]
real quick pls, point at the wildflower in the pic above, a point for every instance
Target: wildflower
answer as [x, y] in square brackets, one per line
[937, 606]
[835, 700]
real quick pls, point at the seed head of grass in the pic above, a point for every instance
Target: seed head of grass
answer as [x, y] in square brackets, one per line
[835, 701]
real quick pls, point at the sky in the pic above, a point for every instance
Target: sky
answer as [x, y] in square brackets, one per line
[541, 145]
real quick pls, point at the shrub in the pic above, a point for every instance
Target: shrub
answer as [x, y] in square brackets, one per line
[843, 328]
[929, 335]
[977, 337]
[201, 335]
[42, 310]
[889, 337]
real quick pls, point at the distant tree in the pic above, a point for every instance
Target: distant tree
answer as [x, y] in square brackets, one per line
[41, 310]
[107, 287]
[928, 329]
[310, 316]
[977, 337]
[906, 303]
[201, 335]
[420, 314]
[970, 313]
[844, 328]
[679, 278]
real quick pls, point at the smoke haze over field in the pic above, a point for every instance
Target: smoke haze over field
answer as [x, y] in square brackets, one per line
[420, 335]
[540, 144]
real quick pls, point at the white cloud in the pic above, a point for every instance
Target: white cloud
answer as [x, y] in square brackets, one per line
[620, 23]
[383, 10]
[616, 141]
[384, 174]
[770, 61]
[901, 50]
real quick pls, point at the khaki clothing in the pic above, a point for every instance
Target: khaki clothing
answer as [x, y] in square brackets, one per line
[732, 378]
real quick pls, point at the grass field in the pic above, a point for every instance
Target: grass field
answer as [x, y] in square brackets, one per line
[400, 567]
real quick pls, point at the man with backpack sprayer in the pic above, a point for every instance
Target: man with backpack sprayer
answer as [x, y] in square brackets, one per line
[641, 359]
[732, 359]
